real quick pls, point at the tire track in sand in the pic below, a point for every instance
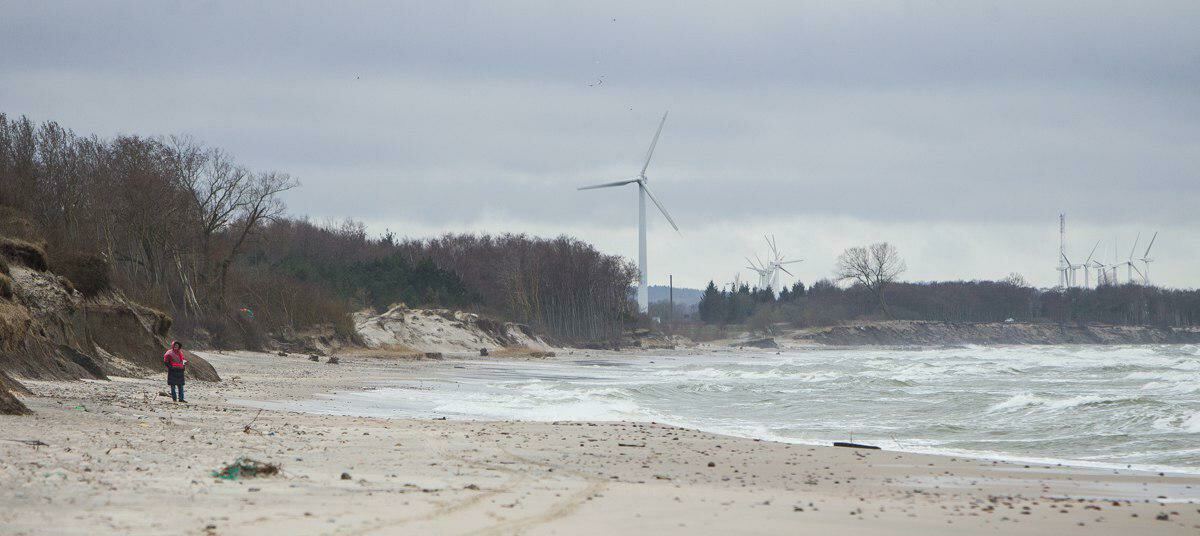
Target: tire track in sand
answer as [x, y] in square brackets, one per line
[454, 507]
[558, 510]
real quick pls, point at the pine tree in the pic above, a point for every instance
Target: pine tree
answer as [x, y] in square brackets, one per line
[712, 304]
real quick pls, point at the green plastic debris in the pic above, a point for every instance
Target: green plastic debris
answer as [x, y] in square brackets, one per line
[246, 468]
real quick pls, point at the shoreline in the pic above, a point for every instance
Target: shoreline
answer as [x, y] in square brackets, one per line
[118, 457]
[345, 403]
[887, 445]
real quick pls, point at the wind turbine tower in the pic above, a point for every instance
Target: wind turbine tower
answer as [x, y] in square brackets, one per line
[643, 293]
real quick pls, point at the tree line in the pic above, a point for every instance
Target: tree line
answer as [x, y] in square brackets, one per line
[184, 227]
[870, 291]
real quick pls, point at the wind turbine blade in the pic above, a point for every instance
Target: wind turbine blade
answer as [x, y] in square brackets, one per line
[1064, 256]
[1135, 243]
[771, 243]
[654, 143]
[1147, 253]
[785, 270]
[792, 262]
[609, 184]
[1139, 272]
[1089, 259]
[752, 266]
[659, 205]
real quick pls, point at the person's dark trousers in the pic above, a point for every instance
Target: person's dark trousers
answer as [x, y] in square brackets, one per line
[178, 398]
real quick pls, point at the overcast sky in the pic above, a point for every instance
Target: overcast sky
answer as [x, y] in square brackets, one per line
[956, 130]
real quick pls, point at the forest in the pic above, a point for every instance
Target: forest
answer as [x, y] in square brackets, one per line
[182, 227]
[828, 303]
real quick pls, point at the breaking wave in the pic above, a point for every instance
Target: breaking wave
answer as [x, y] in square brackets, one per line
[1122, 405]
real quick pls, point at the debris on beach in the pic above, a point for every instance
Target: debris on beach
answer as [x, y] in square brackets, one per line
[31, 442]
[333, 361]
[854, 445]
[246, 468]
[314, 358]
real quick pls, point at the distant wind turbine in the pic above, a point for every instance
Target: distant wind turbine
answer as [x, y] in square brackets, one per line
[764, 273]
[1129, 266]
[1146, 260]
[776, 264]
[643, 294]
[1087, 268]
[1102, 277]
[1069, 270]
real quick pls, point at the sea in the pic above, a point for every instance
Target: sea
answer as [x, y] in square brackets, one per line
[1121, 407]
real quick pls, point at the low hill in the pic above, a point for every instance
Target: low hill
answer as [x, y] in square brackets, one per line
[683, 296]
[401, 329]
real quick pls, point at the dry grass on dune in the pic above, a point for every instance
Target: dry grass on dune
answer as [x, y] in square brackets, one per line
[26, 253]
[9, 404]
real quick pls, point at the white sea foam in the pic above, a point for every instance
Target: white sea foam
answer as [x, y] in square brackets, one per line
[1191, 425]
[1095, 405]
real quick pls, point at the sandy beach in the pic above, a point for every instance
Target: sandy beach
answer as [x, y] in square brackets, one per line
[116, 457]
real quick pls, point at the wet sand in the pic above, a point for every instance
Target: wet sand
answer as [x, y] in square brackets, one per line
[120, 459]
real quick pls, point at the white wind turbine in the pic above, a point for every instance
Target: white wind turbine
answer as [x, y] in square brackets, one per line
[776, 264]
[1087, 268]
[643, 294]
[1102, 277]
[1146, 260]
[1068, 271]
[1129, 266]
[764, 272]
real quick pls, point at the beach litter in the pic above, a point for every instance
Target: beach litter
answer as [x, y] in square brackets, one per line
[854, 445]
[246, 468]
[31, 442]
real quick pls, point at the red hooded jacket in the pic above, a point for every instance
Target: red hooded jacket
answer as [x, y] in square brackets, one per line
[174, 358]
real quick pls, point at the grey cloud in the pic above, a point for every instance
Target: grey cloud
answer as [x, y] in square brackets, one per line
[889, 113]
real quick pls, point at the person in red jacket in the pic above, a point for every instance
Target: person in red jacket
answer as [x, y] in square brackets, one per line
[176, 363]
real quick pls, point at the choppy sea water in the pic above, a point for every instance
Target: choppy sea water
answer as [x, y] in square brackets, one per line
[1107, 406]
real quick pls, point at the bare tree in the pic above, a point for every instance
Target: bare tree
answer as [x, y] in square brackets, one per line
[874, 267]
[1015, 279]
[259, 203]
[229, 202]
